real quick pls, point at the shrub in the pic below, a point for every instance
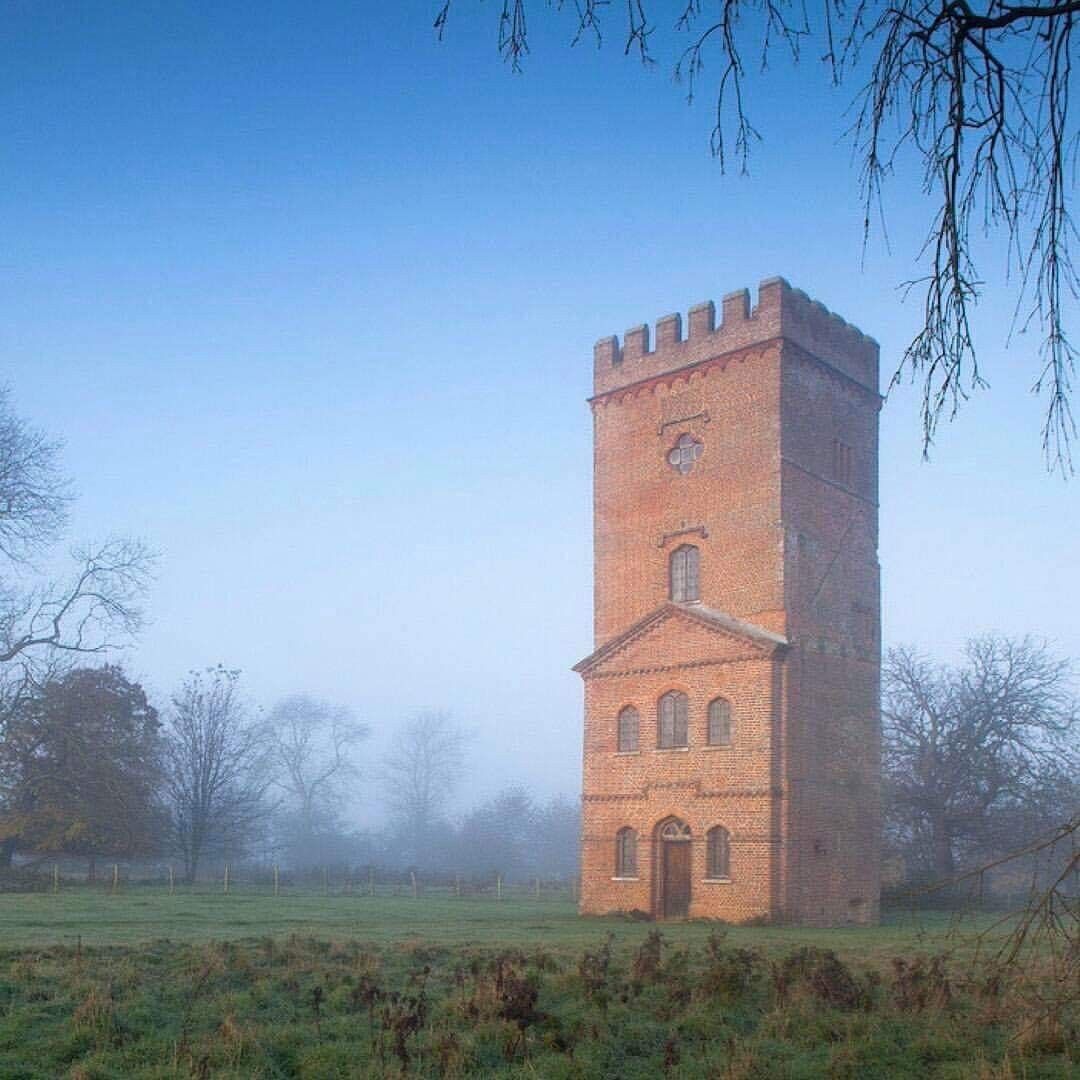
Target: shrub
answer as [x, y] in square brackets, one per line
[823, 974]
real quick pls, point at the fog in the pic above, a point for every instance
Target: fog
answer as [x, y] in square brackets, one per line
[327, 351]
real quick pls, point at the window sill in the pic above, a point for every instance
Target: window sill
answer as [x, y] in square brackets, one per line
[717, 746]
[716, 881]
[672, 749]
[627, 753]
[625, 879]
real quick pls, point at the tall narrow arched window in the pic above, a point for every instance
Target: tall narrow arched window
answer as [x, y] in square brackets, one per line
[671, 720]
[719, 722]
[684, 573]
[718, 854]
[626, 853]
[629, 725]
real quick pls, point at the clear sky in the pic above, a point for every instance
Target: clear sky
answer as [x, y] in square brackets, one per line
[311, 297]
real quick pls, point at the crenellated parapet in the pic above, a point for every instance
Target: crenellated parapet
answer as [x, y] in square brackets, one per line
[780, 313]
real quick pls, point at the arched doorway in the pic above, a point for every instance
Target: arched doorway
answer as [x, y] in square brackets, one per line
[673, 864]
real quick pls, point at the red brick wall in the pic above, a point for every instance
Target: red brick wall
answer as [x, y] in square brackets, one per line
[782, 506]
[733, 409]
[833, 617]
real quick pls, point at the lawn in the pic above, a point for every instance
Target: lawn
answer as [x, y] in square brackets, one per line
[137, 915]
[148, 985]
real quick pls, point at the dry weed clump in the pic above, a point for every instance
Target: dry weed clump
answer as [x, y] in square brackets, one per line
[1043, 1034]
[594, 970]
[646, 966]
[822, 973]
[237, 1041]
[921, 983]
[95, 1014]
[730, 974]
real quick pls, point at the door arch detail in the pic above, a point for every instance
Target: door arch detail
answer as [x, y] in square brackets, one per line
[673, 853]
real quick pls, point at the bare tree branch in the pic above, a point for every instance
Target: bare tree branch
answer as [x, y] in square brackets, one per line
[34, 496]
[978, 93]
[97, 610]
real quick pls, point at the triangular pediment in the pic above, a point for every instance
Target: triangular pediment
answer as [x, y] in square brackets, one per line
[675, 635]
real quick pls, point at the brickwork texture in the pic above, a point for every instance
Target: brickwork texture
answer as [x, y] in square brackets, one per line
[777, 410]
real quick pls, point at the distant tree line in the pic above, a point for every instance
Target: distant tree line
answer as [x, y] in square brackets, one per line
[980, 758]
[92, 770]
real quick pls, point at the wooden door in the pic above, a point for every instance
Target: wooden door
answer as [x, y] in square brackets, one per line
[676, 864]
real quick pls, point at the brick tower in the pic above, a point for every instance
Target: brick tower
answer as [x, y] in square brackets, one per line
[732, 727]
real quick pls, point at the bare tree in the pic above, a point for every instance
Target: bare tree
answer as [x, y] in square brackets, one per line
[217, 773]
[420, 771]
[98, 607]
[311, 744]
[980, 758]
[34, 495]
[975, 91]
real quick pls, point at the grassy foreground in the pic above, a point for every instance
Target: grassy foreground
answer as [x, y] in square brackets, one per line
[144, 984]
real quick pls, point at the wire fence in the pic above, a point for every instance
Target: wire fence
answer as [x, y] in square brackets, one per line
[229, 879]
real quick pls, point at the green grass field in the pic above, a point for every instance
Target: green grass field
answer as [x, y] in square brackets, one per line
[142, 914]
[145, 984]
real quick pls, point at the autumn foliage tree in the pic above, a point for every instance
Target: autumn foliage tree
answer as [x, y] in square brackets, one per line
[82, 768]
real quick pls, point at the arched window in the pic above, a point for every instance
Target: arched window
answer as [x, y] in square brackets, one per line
[718, 854]
[626, 853]
[719, 722]
[674, 829]
[684, 573]
[629, 724]
[671, 720]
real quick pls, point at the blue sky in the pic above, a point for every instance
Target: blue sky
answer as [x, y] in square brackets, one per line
[311, 297]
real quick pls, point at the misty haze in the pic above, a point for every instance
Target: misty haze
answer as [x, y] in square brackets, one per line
[535, 543]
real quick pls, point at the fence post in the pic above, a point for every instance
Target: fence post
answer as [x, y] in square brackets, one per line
[56, 877]
[457, 885]
[412, 877]
[226, 879]
[371, 881]
[498, 886]
[115, 876]
[276, 884]
[172, 879]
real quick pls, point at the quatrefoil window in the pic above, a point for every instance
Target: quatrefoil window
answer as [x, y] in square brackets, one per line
[684, 453]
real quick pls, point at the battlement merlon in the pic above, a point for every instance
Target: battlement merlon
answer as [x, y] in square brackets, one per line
[781, 312]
